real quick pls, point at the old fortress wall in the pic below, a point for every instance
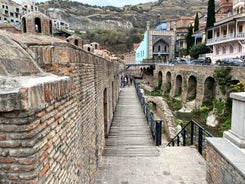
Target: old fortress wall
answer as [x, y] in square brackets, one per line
[56, 107]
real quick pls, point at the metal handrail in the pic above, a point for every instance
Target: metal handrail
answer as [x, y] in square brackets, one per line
[155, 125]
[196, 135]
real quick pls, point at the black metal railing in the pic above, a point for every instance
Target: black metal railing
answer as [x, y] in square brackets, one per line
[155, 125]
[191, 134]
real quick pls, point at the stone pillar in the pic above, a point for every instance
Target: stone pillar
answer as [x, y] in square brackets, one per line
[237, 133]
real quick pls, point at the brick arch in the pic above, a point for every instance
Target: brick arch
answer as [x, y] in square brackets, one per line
[192, 88]
[38, 25]
[178, 85]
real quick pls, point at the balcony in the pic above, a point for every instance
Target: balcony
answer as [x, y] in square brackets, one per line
[226, 38]
[238, 3]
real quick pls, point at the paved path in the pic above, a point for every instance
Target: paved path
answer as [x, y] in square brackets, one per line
[131, 157]
[129, 134]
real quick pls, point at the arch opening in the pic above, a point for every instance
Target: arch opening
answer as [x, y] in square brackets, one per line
[24, 25]
[76, 42]
[38, 25]
[178, 89]
[192, 88]
[209, 91]
[168, 84]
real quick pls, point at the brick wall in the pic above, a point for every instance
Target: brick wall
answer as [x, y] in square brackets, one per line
[56, 135]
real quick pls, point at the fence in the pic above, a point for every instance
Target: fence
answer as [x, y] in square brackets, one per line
[155, 125]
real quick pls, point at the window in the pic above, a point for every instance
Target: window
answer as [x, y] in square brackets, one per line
[239, 48]
[224, 50]
[217, 51]
[240, 29]
[231, 49]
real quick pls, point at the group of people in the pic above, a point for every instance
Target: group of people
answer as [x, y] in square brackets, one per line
[126, 80]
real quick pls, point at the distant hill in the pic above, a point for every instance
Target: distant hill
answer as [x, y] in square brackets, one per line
[84, 17]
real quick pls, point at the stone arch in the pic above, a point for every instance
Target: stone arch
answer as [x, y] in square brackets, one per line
[192, 88]
[24, 29]
[168, 83]
[178, 87]
[38, 25]
[209, 90]
[105, 112]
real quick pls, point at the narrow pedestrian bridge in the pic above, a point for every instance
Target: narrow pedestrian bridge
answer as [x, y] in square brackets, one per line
[131, 156]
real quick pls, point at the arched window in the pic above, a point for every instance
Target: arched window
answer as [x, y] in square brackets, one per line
[38, 27]
[24, 25]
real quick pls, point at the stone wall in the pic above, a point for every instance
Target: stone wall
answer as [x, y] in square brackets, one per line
[199, 72]
[221, 168]
[52, 131]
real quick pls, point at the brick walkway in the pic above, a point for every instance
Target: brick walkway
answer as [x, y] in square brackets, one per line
[131, 157]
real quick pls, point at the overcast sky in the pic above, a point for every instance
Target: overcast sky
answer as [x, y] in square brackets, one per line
[117, 3]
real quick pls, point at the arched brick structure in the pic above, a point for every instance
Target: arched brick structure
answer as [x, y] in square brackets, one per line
[75, 40]
[195, 80]
[36, 22]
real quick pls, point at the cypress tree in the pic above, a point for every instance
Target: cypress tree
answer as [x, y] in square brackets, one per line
[196, 24]
[189, 38]
[210, 16]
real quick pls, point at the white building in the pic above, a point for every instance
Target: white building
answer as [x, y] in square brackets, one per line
[11, 12]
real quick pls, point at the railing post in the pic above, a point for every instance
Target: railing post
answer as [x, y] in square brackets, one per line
[158, 136]
[192, 132]
[200, 140]
[184, 137]
[178, 140]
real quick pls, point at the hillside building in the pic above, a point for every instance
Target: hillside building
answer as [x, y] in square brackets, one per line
[158, 44]
[228, 34]
[180, 26]
[11, 12]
